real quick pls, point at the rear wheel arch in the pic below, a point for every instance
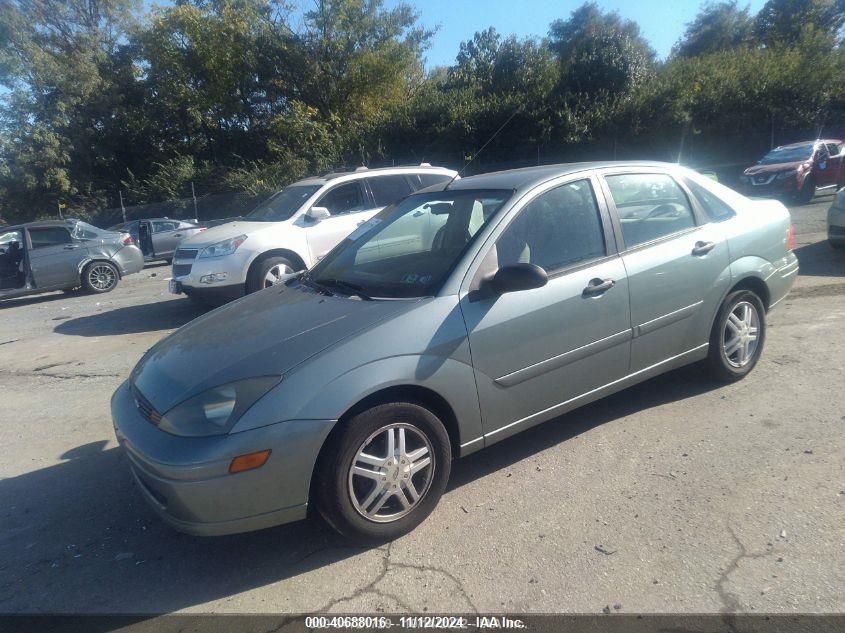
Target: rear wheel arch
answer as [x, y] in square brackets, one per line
[90, 260]
[755, 285]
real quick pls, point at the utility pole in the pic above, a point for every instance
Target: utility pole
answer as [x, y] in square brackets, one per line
[59, 204]
[194, 196]
[122, 208]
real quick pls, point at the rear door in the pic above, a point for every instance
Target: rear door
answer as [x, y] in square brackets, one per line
[824, 168]
[535, 351]
[55, 256]
[349, 205]
[677, 263]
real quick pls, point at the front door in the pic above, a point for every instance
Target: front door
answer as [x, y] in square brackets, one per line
[349, 207]
[165, 237]
[678, 265]
[55, 256]
[535, 351]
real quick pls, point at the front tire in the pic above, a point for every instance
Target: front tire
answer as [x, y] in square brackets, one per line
[384, 473]
[737, 337]
[807, 191]
[100, 277]
[268, 272]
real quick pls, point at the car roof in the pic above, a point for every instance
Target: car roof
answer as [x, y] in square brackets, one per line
[813, 142]
[41, 223]
[529, 177]
[364, 172]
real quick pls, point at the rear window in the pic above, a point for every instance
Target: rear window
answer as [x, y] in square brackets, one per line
[715, 208]
[388, 189]
[433, 179]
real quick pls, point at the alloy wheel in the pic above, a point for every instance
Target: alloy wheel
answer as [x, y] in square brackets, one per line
[275, 274]
[102, 277]
[741, 335]
[391, 472]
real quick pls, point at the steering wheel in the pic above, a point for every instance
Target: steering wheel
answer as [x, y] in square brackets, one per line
[662, 210]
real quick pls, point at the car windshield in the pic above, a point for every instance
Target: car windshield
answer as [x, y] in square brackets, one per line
[788, 154]
[408, 249]
[282, 205]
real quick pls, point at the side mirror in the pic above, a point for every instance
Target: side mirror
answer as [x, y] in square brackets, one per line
[315, 214]
[518, 277]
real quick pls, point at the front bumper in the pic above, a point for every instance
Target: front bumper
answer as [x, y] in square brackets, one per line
[189, 270]
[836, 224]
[770, 186]
[186, 479]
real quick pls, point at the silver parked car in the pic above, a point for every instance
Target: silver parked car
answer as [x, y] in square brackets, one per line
[62, 255]
[461, 315]
[158, 237]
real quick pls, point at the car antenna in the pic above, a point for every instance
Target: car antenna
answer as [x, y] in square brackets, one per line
[495, 134]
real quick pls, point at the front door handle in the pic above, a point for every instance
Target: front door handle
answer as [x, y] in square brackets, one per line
[70, 247]
[702, 248]
[178, 235]
[598, 286]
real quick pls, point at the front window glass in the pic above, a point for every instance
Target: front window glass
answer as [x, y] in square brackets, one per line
[409, 249]
[788, 154]
[650, 206]
[346, 198]
[10, 236]
[282, 205]
[558, 228]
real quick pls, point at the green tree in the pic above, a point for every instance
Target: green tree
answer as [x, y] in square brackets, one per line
[784, 21]
[718, 26]
[600, 52]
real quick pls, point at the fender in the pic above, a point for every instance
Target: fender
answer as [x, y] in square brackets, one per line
[450, 379]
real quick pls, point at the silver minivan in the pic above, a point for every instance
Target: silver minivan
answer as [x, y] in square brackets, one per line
[463, 314]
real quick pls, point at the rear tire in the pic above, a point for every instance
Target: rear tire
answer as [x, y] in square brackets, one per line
[267, 271]
[372, 491]
[737, 337]
[100, 277]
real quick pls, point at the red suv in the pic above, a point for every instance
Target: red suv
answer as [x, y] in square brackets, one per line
[797, 170]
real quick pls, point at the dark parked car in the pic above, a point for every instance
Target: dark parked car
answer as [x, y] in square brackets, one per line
[62, 255]
[158, 237]
[797, 170]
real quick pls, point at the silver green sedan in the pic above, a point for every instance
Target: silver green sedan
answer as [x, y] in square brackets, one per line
[461, 315]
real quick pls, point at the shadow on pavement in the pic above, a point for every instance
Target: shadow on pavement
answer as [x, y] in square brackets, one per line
[147, 317]
[821, 260]
[77, 537]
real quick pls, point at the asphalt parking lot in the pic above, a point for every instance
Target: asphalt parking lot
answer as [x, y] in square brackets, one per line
[677, 495]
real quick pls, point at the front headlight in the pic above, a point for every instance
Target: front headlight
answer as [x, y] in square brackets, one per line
[215, 411]
[226, 247]
[787, 174]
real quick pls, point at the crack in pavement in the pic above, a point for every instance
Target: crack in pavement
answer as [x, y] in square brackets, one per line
[41, 374]
[729, 599]
[386, 566]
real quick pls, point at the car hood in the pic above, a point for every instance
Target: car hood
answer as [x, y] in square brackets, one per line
[267, 333]
[224, 232]
[773, 168]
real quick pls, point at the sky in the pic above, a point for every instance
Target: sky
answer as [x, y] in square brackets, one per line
[661, 21]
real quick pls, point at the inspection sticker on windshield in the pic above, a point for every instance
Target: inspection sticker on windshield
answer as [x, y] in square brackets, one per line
[363, 228]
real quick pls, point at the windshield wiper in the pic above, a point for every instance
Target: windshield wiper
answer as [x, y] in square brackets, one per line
[345, 286]
[305, 278]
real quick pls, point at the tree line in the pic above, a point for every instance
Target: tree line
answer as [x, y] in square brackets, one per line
[100, 96]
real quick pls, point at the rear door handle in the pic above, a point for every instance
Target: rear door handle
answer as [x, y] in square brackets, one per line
[702, 248]
[598, 286]
[70, 247]
[178, 235]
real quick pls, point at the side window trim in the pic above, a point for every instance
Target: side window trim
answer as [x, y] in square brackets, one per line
[366, 197]
[473, 277]
[699, 216]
